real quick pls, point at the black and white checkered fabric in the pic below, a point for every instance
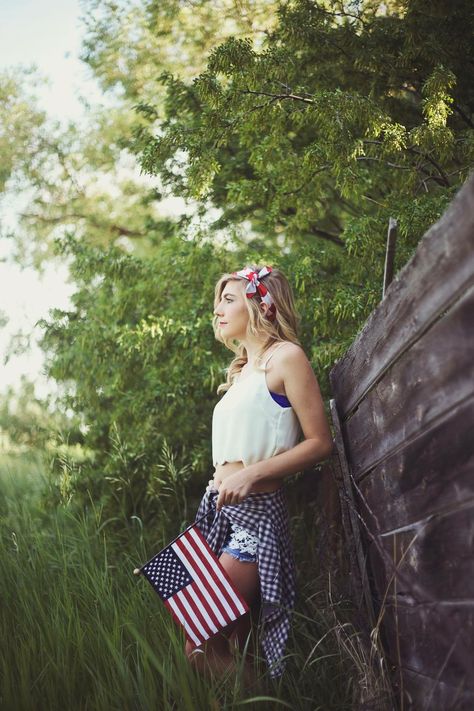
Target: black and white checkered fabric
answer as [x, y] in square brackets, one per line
[266, 516]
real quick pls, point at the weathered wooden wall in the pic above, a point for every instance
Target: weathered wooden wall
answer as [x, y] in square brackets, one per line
[403, 400]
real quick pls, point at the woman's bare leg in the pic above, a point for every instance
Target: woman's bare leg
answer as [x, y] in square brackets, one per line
[247, 580]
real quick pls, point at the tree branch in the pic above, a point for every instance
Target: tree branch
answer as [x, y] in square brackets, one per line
[117, 229]
[277, 97]
[327, 235]
[463, 115]
[297, 190]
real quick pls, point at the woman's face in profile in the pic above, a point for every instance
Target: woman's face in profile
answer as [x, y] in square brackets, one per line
[232, 311]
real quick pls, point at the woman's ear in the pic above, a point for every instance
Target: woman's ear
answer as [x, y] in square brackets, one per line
[268, 311]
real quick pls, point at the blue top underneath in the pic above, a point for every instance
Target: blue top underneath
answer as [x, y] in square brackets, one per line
[280, 399]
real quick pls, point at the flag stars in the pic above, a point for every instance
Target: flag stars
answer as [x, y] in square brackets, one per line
[167, 574]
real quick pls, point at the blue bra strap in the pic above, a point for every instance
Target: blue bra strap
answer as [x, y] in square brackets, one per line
[282, 400]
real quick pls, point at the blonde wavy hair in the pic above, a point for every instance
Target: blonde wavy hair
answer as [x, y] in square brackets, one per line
[284, 327]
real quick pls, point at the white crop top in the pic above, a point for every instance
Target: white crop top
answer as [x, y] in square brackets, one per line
[248, 425]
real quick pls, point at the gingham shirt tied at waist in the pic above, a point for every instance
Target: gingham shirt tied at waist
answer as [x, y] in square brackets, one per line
[266, 516]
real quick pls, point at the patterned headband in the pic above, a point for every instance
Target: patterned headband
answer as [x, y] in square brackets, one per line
[254, 285]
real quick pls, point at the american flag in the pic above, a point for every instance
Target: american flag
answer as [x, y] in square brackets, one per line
[194, 586]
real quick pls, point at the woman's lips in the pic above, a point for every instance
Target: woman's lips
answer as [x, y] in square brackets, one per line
[222, 323]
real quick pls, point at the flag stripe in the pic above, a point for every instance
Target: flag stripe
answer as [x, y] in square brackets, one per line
[205, 609]
[205, 587]
[189, 621]
[208, 632]
[208, 577]
[201, 598]
[184, 620]
[209, 569]
[240, 602]
[207, 590]
[174, 606]
[195, 619]
[173, 614]
[199, 610]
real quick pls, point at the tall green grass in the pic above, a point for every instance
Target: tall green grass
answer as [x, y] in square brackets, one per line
[80, 631]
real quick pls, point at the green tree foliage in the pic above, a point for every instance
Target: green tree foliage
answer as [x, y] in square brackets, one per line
[82, 177]
[20, 122]
[138, 354]
[35, 423]
[347, 115]
[139, 360]
[76, 178]
[297, 133]
[127, 43]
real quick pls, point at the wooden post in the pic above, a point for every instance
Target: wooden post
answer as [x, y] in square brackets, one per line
[350, 522]
[389, 254]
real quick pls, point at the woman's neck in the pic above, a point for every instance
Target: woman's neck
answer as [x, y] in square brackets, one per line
[252, 349]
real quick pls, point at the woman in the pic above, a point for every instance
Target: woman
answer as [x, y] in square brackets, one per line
[269, 424]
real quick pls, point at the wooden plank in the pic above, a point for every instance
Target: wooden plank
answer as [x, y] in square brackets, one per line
[435, 641]
[434, 559]
[428, 615]
[428, 694]
[440, 271]
[432, 472]
[432, 377]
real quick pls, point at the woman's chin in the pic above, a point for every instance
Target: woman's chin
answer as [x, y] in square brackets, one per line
[226, 332]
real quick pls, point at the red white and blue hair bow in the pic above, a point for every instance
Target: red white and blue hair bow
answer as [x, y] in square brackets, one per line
[254, 285]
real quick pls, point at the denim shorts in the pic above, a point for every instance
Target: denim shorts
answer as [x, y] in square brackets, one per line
[241, 544]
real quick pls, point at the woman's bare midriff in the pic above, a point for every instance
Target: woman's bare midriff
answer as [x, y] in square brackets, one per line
[224, 470]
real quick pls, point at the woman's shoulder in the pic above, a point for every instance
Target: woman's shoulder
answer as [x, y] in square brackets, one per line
[289, 350]
[287, 355]
[291, 364]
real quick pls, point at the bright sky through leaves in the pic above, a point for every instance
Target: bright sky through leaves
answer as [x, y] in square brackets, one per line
[46, 34]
